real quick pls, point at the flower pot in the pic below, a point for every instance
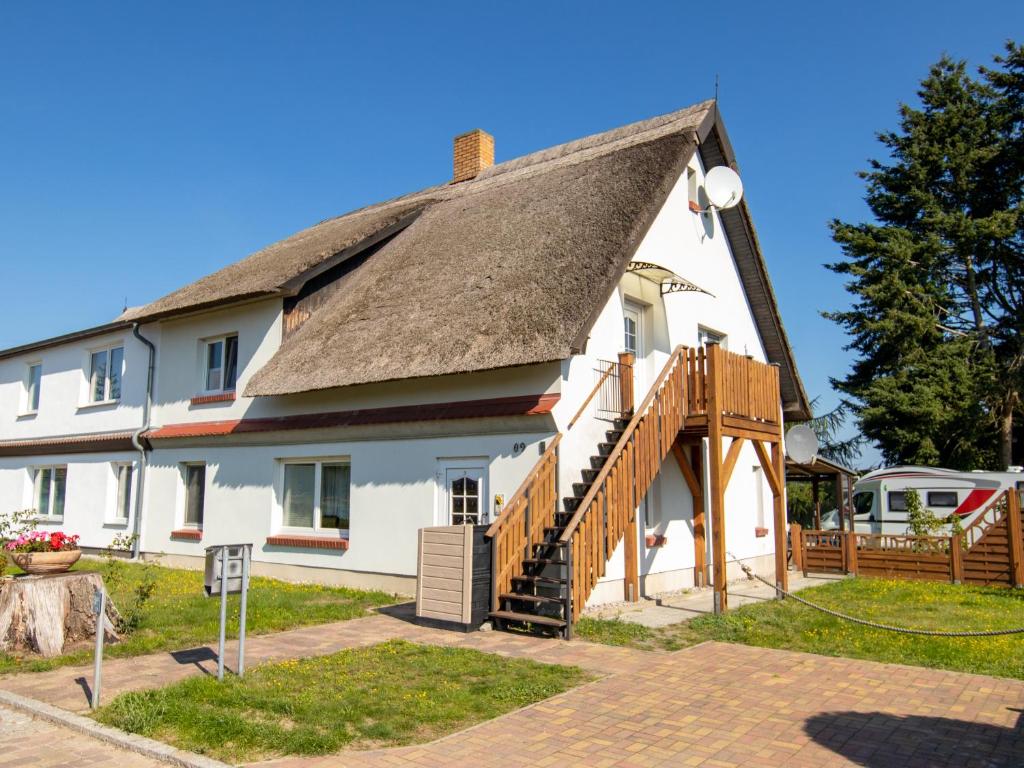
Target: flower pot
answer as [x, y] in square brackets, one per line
[46, 562]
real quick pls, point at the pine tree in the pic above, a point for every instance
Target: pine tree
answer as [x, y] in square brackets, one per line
[936, 277]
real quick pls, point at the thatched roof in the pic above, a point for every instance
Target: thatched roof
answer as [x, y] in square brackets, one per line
[510, 268]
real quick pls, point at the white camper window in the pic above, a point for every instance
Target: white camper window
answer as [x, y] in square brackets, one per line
[123, 475]
[897, 501]
[105, 368]
[220, 361]
[48, 489]
[315, 495]
[942, 499]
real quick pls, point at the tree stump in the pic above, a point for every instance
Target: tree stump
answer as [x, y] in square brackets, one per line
[47, 614]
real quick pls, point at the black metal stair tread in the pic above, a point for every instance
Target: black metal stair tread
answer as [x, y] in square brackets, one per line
[531, 598]
[543, 561]
[538, 579]
[527, 618]
[551, 529]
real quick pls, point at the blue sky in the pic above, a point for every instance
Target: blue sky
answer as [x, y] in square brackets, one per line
[143, 145]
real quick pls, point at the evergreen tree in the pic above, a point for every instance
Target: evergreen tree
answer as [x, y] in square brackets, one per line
[937, 277]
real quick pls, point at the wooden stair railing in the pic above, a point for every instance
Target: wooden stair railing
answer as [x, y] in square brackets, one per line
[522, 521]
[608, 510]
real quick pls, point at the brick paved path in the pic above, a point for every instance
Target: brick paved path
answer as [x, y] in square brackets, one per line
[29, 743]
[715, 705]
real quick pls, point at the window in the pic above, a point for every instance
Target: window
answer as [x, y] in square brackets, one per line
[942, 499]
[33, 379]
[897, 501]
[759, 482]
[316, 495]
[863, 502]
[105, 367]
[123, 498]
[49, 485]
[221, 364]
[195, 494]
[707, 336]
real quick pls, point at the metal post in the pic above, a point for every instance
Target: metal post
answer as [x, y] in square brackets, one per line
[241, 610]
[223, 609]
[100, 603]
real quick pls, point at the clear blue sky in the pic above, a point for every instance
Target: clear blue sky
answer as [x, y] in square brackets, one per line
[143, 145]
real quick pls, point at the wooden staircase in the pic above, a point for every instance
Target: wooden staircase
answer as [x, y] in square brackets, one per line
[548, 557]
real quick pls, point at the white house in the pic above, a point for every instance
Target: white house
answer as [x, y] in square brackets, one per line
[405, 365]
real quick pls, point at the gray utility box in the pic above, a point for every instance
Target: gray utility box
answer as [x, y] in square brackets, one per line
[453, 575]
[235, 558]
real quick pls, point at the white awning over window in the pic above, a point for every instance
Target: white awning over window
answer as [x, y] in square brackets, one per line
[669, 281]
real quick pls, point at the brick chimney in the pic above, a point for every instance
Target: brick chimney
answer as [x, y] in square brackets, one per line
[474, 152]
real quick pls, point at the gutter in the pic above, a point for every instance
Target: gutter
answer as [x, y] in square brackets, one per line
[139, 446]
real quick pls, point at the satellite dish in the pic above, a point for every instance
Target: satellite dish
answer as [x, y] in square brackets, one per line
[802, 444]
[723, 187]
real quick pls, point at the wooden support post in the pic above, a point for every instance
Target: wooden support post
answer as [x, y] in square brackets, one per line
[779, 508]
[956, 558]
[693, 474]
[717, 490]
[631, 584]
[839, 502]
[1015, 538]
[816, 501]
[626, 382]
[851, 552]
[795, 535]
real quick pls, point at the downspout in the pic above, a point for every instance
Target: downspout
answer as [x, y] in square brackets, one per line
[137, 442]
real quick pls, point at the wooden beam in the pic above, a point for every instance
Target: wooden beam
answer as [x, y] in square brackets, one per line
[684, 466]
[715, 468]
[1015, 538]
[631, 540]
[779, 508]
[768, 467]
[730, 460]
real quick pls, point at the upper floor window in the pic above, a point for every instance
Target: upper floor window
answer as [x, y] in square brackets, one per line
[33, 380]
[105, 366]
[49, 485]
[707, 336]
[221, 366]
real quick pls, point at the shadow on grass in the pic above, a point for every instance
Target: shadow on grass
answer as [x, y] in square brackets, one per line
[882, 740]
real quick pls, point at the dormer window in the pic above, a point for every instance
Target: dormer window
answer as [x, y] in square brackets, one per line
[105, 367]
[221, 358]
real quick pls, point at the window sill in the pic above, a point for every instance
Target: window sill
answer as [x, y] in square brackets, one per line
[213, 397]
[27, 415]
[189, 534]
[307, 542]
[47, 519]
[120, 523]
[98, 404]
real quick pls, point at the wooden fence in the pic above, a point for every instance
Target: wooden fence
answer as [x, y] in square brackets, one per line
[990, 551]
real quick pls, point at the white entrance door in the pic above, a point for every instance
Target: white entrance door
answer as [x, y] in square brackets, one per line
[633, 341]
[465, 496]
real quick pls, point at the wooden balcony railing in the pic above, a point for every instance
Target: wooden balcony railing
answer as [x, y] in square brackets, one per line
[750, 389]
[522, 521]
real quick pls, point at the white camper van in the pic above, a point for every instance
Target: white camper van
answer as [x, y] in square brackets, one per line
[879, 498]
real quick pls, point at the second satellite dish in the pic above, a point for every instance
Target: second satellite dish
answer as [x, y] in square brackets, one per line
[723, 187]
[802, 444]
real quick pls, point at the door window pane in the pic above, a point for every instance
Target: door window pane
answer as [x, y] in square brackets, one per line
[195, 493]
[299, 483]
[98, 377]
[114, 373]
[464, 500]
[335, 483]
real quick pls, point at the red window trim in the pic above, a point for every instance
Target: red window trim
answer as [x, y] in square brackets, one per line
[307, 542]
[223, 397]
[193, 534]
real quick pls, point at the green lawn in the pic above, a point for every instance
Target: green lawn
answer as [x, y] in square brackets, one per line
[385, 695]
[178, 616]
[919, 604]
